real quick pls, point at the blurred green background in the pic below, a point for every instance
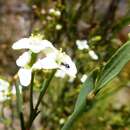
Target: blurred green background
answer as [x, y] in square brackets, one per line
[103, 23]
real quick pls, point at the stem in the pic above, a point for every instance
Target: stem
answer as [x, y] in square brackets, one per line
[22, 121]
[44, 87]
[76, 114]
[68, 125]
[31, 94]
[19, 107]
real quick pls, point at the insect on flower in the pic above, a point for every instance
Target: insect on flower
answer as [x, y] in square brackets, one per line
[53, 59]
[66, 65]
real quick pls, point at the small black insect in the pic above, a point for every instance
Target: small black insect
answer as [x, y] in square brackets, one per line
[66, 65]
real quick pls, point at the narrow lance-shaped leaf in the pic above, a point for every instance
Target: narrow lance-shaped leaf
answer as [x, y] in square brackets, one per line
[81, 102]
[114, 65]
[109, 71]
[87, 87]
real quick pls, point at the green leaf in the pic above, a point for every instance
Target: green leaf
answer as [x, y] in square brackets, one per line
[87, 87]
[114, 65]
[71, 120]
[107, 73]
[81, 103]
[19, 99]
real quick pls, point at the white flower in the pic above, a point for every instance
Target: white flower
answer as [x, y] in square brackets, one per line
[5, 90]
[68, 66]
[83, 78]
[4, 86]
[25, 76]
[57, 60]
[34, 44]
[25, 71]
[53, 59]
[82, 44]
[58, 27]
[93, 55]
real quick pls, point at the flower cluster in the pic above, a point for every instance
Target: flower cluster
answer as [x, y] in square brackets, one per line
[4, 86]
[6, 90]
[82, 44]
[53, 59]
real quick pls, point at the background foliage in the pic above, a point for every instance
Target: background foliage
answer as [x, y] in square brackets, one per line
[104, 24]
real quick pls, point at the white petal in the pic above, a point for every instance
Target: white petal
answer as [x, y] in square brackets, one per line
[21, 44]
[49, 51]
[48, 62]
[37, 45]
[93, 55]
[24, 59]
[68, 66]
[82, 44]
[25, 76]
[34, 44]
[37, 65]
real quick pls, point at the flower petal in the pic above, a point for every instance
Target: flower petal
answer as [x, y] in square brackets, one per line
[68, 66]
[60, 73]
[48, 62]
[21, 44]
[24, 59]
[34, 44]
[37, 45]
[25, 76]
